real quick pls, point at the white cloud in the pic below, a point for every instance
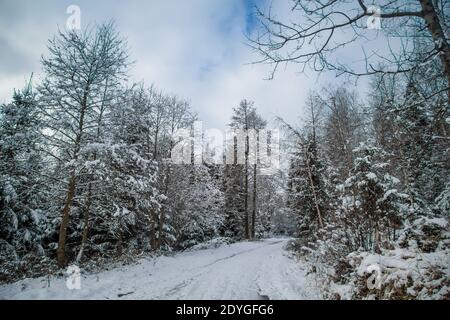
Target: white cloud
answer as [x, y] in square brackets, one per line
[192, 48]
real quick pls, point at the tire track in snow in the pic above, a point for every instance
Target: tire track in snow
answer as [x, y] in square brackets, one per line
[246, 270]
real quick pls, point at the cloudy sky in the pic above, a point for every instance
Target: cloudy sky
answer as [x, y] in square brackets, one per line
[195, 49]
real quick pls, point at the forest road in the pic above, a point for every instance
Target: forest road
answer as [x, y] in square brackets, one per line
[250, 270]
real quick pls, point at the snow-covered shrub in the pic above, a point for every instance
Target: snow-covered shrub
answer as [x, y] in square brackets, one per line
[308, 197]
[212, 244]
[198, 212]
[442, 202]
[8, 261]
[371, 205]
[417, 268]
[22, 191]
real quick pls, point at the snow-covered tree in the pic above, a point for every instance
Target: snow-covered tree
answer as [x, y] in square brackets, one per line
[198, 214]
[273, 218]
[234, 201]
[307, 196]
[82, 68]
[342, 127]
[246, 118]
[371, 203]
[22, 189]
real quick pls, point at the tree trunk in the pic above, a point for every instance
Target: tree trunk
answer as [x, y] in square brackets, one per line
[153, 242]
[160, 229]
[163, 214]
[438, 35]
[377, 239]
[254, 202]
[61, 251]
[246, 218]
[119, 244]
[313, 189]
[86, 224]
[155, 147]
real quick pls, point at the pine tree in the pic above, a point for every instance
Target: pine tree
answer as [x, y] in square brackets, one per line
[272, 216]
[371, 204]
[307, 197]
[200, 207]
[234, 201]
[22, 190]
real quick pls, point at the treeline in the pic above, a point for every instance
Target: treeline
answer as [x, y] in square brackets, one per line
[86, 170]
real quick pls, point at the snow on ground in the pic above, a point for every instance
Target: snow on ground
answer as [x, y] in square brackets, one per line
[244, 270]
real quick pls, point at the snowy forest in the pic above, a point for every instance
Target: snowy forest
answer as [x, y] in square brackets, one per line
[361, 201]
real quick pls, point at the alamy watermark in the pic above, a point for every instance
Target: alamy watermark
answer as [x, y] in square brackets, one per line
[73, 281]
[375, 278]
[374, 19]
[235, 146]
[73, 22]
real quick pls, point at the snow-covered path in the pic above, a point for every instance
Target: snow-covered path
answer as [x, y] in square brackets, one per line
[245, 270]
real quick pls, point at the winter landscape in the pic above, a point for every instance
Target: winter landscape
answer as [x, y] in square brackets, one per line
[225, 150]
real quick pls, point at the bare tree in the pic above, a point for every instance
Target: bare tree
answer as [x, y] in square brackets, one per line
[320, 30]
[241, 120]
[246, 118]
[306, 146]
[79, 68]
[342, 126]
[177, 116]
